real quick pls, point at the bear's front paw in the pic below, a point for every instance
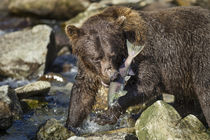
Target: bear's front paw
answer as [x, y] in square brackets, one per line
[109, 116]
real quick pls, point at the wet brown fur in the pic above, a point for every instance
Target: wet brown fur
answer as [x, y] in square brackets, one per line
[175, 59]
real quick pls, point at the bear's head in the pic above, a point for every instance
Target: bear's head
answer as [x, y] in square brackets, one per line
[100, 45]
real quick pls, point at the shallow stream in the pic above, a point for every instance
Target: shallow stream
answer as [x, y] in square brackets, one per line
[57, 104]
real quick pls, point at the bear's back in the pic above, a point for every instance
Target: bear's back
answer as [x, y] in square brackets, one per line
[178, 39]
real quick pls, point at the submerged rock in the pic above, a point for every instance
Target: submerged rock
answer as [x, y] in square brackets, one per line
[162, 121]
[53, 130]
[48, 9]
[10, 108]
[27, 53]
[33, 89]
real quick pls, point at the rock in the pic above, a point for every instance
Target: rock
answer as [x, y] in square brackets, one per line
[34, 103]
[49, 9]
[53, 130]
[33, 89]
[115, 136]
[4, 5]
[118, 134]
[27, 53]
[203, 3]
[76, 138]
[137, 4]
[162, 121]
[128, 2]
[96, 8]
[10, 24]
[64, 51]
[168, 98]
[93, 9]
[158, 5]
[10, 108]
[193, 129]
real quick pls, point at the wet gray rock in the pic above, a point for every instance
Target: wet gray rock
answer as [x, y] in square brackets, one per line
[33, 89]
[48, 9]
[27, 52]
[10, 108]
[162, 121]
[53, 130]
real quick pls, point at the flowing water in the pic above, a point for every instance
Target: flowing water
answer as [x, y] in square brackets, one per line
[57, 106]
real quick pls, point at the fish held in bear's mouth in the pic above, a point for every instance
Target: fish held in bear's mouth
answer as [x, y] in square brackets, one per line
[116, 87]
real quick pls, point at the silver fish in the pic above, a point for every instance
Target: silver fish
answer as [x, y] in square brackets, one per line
[116, 87]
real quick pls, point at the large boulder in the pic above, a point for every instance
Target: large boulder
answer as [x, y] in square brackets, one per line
[162, 121]
[27, 52]
[48, 8]
[10, 108]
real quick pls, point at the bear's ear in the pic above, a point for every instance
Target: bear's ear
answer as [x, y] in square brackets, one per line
[120, 20]
[73, 32]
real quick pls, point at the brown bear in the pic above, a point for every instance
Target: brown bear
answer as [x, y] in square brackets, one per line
[175, 59]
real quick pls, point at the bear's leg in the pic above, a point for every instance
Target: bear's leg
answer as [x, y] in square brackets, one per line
[202, 90]
[81, 101]
[140, 88]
